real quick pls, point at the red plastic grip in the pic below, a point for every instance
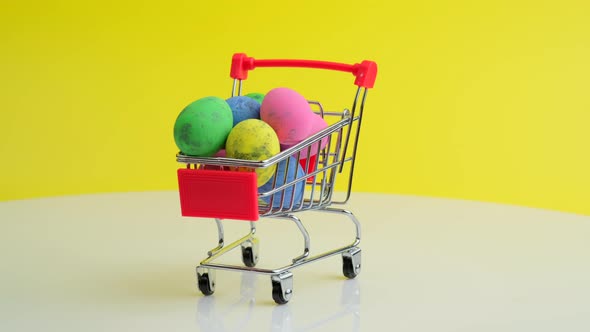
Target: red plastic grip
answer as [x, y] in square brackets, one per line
[365, 72]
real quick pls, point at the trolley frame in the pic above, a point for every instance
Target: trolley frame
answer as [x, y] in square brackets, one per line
[324, 157]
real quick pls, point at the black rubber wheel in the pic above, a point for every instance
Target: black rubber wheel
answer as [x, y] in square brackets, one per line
[248, 257]
[204, 285]
[277, 293]
[348, 268]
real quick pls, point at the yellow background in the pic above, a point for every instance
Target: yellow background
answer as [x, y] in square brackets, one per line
[481, 100]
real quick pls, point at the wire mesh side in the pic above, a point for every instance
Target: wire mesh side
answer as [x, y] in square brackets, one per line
[306, 173]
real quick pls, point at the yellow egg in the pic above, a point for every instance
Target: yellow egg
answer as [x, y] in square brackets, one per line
[253, 139]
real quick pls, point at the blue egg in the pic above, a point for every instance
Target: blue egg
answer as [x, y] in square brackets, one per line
[243, 108]
[294, 171]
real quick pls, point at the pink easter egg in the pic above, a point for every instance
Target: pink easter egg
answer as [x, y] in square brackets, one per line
[288, 113]
[317, 125]
[220, 153]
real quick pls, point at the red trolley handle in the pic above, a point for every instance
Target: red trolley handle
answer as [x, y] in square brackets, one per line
[365, 72]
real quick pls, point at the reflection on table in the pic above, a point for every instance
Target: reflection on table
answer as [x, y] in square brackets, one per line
[212, 317]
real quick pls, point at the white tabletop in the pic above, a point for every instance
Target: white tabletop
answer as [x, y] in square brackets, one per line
[126, 262]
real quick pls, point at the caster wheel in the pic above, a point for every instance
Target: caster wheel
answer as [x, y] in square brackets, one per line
[248, 257]
[282, 287]
[351, 263]
[206, 281]
[250, 252]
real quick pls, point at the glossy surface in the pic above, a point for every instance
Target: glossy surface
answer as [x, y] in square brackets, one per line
[126, 262]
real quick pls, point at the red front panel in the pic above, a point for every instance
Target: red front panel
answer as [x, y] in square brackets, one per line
[218, 194]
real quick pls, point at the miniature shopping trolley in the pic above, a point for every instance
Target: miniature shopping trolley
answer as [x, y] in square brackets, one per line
[219, 188]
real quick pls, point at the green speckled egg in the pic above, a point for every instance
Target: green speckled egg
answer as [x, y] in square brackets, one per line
[259, 97]
[203, 126]
[254, 139]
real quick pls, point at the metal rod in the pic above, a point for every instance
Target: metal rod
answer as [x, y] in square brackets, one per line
[356, 141]
[252, 228]
[220, 237]
[350, 216]
[306, 239]
[227, 248]
[298, 261]
[233, 89]
[295, 264]
[356, 97]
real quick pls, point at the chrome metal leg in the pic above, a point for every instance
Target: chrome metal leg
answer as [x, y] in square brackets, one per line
[252, 227]
[306, 239]
[220, 236]
[222, 249]
[351, 216]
